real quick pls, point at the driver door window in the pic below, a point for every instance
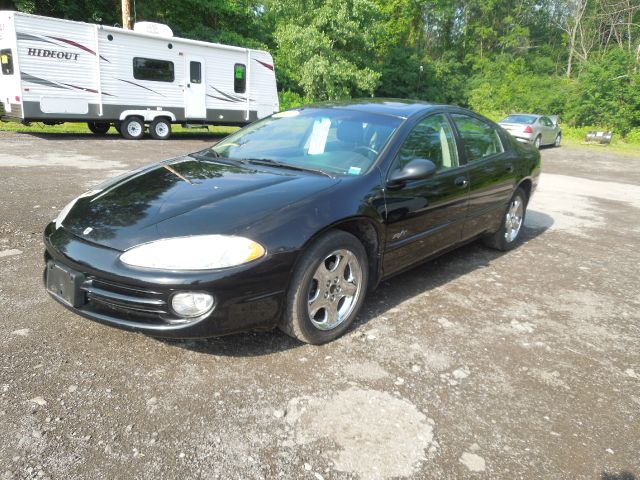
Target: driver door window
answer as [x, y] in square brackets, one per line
[432, 139]
[480, 139]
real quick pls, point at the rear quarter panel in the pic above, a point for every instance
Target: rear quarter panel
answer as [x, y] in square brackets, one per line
[528, 163]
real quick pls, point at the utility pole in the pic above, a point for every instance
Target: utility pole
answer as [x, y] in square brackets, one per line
[126, 14]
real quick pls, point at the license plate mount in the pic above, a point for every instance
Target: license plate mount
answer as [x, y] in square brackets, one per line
[64, 283]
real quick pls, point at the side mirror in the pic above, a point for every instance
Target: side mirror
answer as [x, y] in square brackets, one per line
[414, 170]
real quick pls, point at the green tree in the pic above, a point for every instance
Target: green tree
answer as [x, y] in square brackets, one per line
[608, 93]
[327, 48]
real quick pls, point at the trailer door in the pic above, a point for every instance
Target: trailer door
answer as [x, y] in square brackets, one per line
[195, 102]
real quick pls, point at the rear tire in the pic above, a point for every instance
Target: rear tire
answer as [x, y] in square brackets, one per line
[99, 128]
[537, 142]
[510, 229]
[327, 289]
[160, 129]
[132, 128]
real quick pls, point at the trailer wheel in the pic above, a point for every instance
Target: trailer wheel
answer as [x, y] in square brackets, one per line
[99, 128]
[160, 129]
[132, 128]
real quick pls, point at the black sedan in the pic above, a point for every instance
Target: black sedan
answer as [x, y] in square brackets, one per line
[290, 221]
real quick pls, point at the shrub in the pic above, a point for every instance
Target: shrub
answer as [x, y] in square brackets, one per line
[289, 99]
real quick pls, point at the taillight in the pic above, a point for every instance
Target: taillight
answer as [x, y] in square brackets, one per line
[528, 129]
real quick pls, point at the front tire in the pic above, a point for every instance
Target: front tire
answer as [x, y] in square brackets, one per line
[327, 289]
[132, 128]
[510, 229]
[99, 128]
[160, 129]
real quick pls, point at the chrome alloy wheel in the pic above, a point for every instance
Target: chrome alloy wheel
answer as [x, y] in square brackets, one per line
[334, 290]
[513, 219]
[134, 129]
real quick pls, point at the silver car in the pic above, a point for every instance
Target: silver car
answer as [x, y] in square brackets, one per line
[536, 129]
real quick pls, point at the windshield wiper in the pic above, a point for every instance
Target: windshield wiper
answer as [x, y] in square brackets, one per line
[274, 163]
[205, 153]
[213, 156]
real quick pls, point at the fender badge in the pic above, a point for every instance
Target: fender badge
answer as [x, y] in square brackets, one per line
[87, 231]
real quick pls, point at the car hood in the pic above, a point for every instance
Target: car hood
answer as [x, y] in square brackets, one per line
[186, 196]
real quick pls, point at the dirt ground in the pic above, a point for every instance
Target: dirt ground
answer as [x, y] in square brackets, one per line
[477, 365]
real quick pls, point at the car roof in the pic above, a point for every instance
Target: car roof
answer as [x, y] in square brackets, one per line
[401, 108]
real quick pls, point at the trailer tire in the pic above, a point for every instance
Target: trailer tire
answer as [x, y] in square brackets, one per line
[132, 128]
[99, 128]
[160, 128]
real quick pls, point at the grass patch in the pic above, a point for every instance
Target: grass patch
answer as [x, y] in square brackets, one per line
[576, 136]
[81, 129]
[617, 145]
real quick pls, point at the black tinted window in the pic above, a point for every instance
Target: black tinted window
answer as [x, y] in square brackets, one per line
[6, 60]
[432, 139]
[479, 138]
[239, 78]
[151, 69]
[195, 71]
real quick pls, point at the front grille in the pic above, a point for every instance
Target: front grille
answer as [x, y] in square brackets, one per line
[143, 304]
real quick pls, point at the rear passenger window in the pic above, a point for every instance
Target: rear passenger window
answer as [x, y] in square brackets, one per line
[152, 69]
[6, 60]
[480, 139]
[239, 78]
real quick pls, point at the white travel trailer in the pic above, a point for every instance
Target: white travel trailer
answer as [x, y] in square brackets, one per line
[56, 71]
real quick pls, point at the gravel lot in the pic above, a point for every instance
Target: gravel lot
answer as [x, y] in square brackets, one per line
[477, 365]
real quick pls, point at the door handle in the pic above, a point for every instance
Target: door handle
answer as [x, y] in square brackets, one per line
[461, 182]
[509, 168]
[188, 85]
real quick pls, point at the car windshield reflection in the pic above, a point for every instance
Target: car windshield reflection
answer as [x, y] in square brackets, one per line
[339, 142]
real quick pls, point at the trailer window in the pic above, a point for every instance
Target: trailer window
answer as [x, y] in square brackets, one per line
[195, 72]
[239, 78]
[154, 70]
[6, 60]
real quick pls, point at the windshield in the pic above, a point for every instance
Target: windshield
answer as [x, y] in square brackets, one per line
[339, 142]
[527, 119]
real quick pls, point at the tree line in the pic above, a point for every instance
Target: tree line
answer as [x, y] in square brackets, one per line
[579, 59]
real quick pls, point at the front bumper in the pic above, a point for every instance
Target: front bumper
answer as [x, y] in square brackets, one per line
[110, 292]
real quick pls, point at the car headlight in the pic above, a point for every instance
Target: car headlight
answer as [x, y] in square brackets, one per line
[200, 252]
